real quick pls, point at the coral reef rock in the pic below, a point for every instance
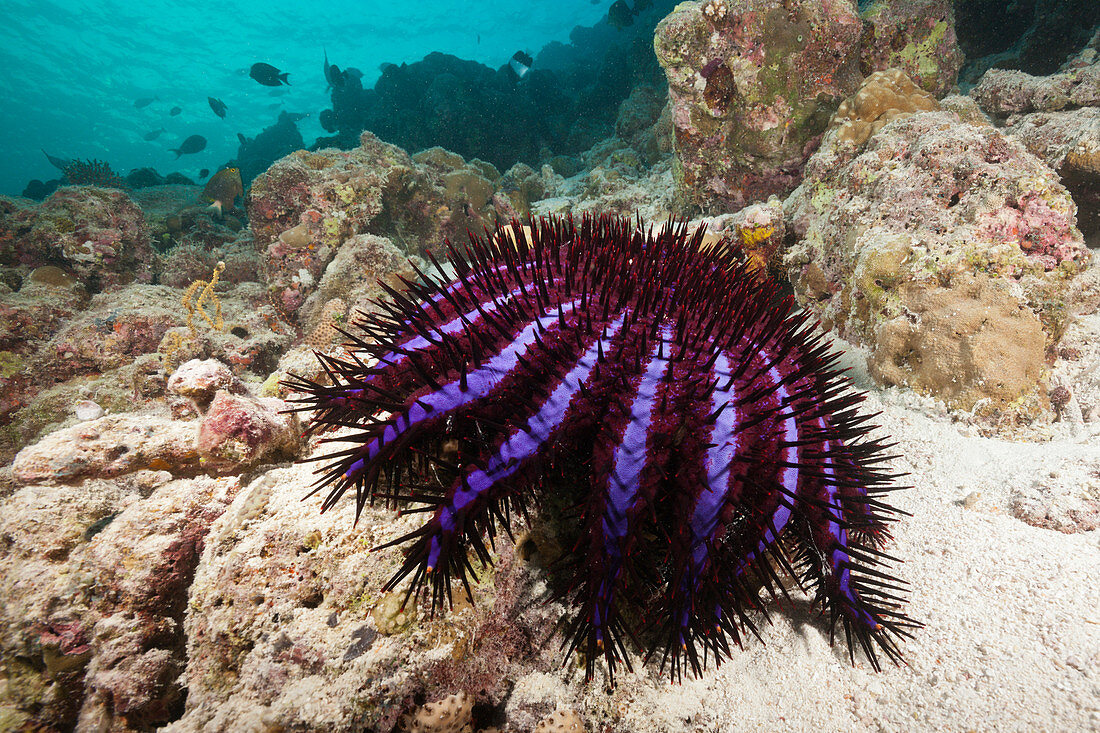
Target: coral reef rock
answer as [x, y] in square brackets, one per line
[916, 36]
[109, 446]
[353, 276]
[1058, 119]
[1069, 142]
[286, 614]
[305, 206]
[94, 579]
[240, 431]
[944, 246]
[98, 234]
[200, 379]
[1002, 92]
[752, 84]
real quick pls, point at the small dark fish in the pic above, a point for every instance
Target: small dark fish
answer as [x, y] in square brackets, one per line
[145, 102]
[175, 111]
[218, 106]
[204, 173]
[268, 75]
[190, 146]
[98, 526]
[150, 136]
[521, 63]
[620, 15]
[58, 163]
[293, 116]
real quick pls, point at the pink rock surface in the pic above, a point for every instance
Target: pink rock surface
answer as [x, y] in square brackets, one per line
[238, 431]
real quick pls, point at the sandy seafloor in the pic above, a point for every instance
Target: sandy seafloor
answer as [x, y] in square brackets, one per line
[1011, 611]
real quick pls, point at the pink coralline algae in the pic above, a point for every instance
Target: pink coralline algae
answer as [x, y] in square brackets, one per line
[752, 83]
[1043, 234]
[238, 431]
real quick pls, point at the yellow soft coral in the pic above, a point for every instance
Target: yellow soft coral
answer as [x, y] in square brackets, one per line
[206, 292]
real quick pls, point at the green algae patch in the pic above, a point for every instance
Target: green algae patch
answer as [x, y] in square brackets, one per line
[924, 56]
[10, 364]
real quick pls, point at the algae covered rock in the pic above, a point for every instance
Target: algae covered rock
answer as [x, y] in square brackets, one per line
[308, 204]
[752, 85]
[945, 247]
[94, 580]
[112, 445]
[915, 36]
[99, 235]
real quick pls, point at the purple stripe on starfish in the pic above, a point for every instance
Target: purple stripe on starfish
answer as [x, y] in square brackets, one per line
[789, 454]
[451, 396]
[524, 443]
[624, 483]
[419, 343]
[839, 560]
[723, 442]
[719, 457]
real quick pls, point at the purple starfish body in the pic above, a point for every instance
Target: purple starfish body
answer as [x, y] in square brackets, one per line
[706, 438]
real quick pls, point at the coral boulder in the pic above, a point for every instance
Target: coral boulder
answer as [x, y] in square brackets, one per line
[752, 85]
[945, 247]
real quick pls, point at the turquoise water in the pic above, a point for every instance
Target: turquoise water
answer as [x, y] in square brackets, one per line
[73, 70]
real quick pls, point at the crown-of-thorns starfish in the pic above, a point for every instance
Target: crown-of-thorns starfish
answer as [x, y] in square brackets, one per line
[700, 429]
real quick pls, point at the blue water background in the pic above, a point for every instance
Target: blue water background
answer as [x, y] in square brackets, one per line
[74, 69]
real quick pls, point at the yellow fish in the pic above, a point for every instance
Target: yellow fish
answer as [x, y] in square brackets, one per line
[222, 189]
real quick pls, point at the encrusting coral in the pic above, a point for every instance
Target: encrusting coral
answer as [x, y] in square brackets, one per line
[452, 714]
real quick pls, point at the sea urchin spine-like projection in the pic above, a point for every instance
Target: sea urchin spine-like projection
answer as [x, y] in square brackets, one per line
[700, 429]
